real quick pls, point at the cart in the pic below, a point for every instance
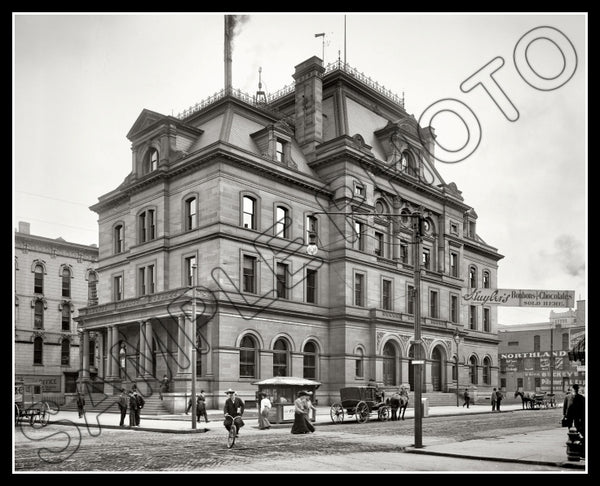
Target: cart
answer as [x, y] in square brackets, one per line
[29, 404]
[360, 401]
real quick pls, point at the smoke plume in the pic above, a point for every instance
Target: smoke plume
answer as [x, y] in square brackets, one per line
[570, 254]
[233, 26]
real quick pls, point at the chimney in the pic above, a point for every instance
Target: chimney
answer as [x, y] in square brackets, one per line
[228, 40]
[23, 227]
[309, 105]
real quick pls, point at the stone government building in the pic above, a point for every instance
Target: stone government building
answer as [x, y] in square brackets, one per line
[233, 186]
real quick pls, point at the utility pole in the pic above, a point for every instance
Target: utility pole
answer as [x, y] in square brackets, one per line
[418, 359]
[194, 346]
[552, 359]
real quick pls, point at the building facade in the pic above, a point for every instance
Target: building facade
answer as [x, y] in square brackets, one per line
[220, 203]
[535, 357]
[53, 279]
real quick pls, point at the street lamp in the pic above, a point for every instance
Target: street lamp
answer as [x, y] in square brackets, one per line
[418, 360]
[456, 338]
[552, 359]
[194, 346]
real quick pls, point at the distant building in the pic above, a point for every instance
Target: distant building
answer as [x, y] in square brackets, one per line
[234, 187]
[53, 279]
[525, 352]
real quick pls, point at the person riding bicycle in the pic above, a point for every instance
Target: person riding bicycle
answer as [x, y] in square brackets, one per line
[234, 406]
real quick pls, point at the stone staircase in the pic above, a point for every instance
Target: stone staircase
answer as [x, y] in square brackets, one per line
[99, 402]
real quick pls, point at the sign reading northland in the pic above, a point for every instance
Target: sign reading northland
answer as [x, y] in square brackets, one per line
[520, 297]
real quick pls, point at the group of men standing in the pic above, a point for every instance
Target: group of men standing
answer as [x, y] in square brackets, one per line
[134, 402]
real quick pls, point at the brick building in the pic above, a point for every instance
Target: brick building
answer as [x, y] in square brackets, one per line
[53, 279]
[525, 352]
[233, 187]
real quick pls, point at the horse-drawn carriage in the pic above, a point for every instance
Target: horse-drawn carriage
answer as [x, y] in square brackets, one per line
[359, 401]
[29, 405]
[536, 400]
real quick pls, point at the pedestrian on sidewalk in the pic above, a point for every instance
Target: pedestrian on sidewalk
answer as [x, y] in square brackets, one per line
[80, 404]
[467, 397]
[263, 411]
[201, 406]
[164, 386]
[302, 424]
[122, 404]
[132, 409]
[499, 398]
[576, 411]
[493, 399]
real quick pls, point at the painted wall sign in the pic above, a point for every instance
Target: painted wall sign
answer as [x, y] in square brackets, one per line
[520, 297]
[50, 383]
[533, 354]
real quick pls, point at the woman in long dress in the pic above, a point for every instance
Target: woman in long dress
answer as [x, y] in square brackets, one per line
[302, 424]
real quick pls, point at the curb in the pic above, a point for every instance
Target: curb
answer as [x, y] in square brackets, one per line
[127, 427]
[566, 465]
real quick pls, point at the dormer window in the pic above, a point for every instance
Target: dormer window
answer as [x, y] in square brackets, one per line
[279, 151]
[151, 162]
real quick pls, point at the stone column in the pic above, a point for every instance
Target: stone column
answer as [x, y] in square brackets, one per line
[114, 351]
[85, 364]
[148, 354]
[141, 350]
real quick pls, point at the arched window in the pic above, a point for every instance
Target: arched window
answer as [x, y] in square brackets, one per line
[310, 361]
[38, 351]
[389, 364]
[473, 370]
[92, 288]
[283, 223]
[66, 282]
[280, 358]
[487, 371]
[66, 317]
[472, 277]
[151, 162]
[38, 279]
[359, 371]
[65, 352]
[248, 351]
[249, 212]
[118, 235]
[486, 279]
[38, 315]
[190, 214]
[147, 226]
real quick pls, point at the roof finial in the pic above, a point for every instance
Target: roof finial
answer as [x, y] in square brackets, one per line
[261, 97]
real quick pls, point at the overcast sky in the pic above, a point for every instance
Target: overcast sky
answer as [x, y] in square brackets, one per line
[81, 80]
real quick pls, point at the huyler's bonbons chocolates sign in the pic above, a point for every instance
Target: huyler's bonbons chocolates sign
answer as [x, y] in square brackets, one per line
[520, 297]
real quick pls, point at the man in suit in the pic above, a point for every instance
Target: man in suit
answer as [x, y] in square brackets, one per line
[122, 404]
[234, 406]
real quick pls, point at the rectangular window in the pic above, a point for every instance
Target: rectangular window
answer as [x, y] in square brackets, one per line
[513, 343]
[487, 324]
[66, 284]
[403, 251]
[565, 341]
[119, 239]
[454, 264]
[359, 230]
[142, 280]
[190, 213]
[359, 190]
[503, 383]
[142, 227]
[454, 308]
[472, 317]
[358, 369]
[536, 343]
[38, 281]
[538, 382]
[282, 281]
[279, 154]
[311, 286]
[65, 353]
[433, 304]
[426, 258]
[311, 227]
[386, 294]
[249, 284]
[519, 382]
[150, 276]
[359, 289]
[410, 300]
[454, 228]
[66, 317]
[151, 225]
[118, 287]
[537, 364]
[379, 244]
[190, 262]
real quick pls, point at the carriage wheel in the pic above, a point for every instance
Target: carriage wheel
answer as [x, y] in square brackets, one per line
[17, 414]
[384, 414]
[362, 412]
[336, 412]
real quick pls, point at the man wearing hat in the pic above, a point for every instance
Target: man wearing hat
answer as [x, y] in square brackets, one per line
[234, 406]
[575, 412]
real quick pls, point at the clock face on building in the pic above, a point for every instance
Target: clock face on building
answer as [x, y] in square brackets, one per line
[426, 226]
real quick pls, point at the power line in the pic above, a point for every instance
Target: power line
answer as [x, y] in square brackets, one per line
[52, 223]
[53, 198]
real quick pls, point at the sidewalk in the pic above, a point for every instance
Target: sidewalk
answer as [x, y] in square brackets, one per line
[545, 447]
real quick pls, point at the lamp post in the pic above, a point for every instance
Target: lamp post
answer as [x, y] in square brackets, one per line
[194, 346]
[552, 359]
[456, 337]
[418, 361]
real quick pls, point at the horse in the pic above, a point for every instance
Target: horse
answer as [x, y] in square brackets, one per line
[399, 400]
[527, 398]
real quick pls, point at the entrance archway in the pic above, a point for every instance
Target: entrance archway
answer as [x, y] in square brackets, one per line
[436, 369]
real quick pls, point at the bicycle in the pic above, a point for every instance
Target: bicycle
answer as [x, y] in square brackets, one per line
[233, 430]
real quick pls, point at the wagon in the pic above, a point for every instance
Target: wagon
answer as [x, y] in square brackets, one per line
[29, 404]
[359, 401]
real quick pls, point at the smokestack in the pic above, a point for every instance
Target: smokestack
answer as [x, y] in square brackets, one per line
[228, 39]
[23, 227]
